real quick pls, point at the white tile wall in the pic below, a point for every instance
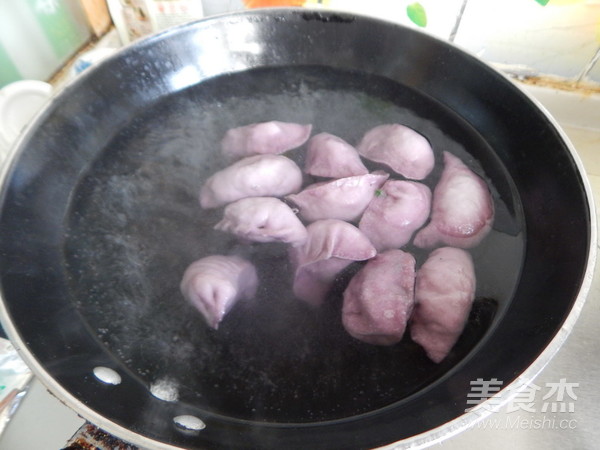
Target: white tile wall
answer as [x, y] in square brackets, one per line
[441, 14]
[594, 73]
[558, 39]
[212, 7]
[551, 39]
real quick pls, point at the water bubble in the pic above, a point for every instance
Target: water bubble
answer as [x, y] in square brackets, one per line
[107, 375]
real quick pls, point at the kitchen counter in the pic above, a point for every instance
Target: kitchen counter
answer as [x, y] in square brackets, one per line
[42, 422]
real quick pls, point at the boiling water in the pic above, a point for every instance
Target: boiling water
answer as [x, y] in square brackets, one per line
[135, 224]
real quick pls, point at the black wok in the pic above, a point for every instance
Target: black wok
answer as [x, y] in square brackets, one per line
[99, 218]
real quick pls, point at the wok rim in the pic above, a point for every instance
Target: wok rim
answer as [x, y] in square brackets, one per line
[430, 437]
[497, 401]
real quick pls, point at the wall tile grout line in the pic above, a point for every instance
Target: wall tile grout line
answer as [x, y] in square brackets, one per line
[589, 66]
[456, 26]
